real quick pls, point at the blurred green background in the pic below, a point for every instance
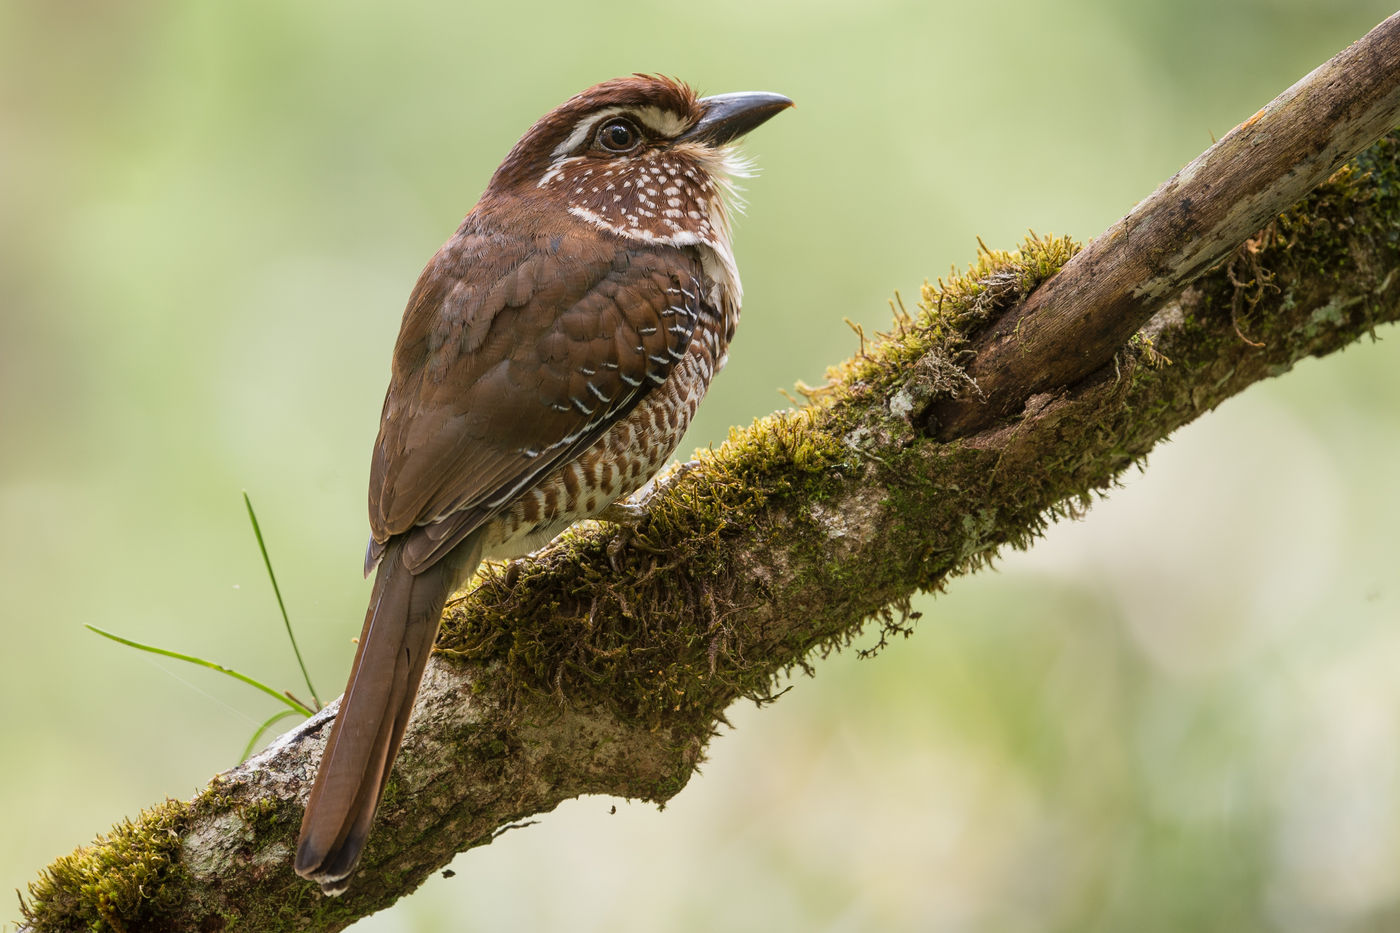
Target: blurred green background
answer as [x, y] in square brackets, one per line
[1179, 713]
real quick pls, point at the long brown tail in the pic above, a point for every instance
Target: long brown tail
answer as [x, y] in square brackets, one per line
[400, 626]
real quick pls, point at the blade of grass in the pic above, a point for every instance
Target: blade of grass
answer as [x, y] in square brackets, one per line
[203, 663]
[248, 749]
[267, 561]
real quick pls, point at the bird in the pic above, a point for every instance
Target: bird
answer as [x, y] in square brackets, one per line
[550, 357]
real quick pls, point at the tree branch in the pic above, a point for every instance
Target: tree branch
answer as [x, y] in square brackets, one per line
[604, 663]
[1080, 319]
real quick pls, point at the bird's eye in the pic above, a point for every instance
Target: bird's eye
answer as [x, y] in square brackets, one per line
[619, 136]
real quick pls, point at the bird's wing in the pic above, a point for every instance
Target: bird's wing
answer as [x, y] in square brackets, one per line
[514, 356]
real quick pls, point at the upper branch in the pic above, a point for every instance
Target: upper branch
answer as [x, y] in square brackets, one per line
[1077, 321]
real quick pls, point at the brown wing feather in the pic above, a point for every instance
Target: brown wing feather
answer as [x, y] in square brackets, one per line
[515, 356]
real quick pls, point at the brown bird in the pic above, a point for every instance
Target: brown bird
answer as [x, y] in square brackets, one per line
[549, 360]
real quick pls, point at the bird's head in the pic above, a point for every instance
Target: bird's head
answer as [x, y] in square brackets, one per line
[641, 157]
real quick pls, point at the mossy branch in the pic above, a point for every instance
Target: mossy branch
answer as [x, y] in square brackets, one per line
[604, 663]
[1080, 319]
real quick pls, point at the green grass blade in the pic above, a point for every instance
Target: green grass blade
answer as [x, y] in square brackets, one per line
[203, 663]
[248, 749]
[267, 561]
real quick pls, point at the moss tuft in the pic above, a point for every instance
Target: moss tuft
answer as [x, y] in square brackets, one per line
[117, 884]
[951, 313]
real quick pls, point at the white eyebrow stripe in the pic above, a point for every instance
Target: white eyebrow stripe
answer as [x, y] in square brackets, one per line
[660, 122]
[583, 129]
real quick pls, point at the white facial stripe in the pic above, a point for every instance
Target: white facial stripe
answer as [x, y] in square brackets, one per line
[658, 122]
[556, 168]
[584, 129]
[661, 122]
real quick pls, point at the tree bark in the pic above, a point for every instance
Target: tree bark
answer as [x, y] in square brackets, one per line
[604, 663]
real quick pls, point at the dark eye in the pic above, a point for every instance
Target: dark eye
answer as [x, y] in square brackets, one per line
[619, 136]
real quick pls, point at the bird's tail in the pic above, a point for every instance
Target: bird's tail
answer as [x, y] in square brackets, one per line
[400, 626]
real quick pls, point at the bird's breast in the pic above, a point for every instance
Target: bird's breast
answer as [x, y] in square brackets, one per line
[621, 461]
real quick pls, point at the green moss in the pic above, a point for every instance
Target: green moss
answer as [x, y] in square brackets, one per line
[119, 883]
[1360, 201]
[950, 314]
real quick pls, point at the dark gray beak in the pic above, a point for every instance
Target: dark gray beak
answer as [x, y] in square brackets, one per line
[729, 116]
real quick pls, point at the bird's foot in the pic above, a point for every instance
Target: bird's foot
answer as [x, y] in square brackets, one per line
[629, 514]
[628, 517]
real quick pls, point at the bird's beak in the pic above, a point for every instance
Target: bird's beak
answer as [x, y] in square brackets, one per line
[729, 116]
